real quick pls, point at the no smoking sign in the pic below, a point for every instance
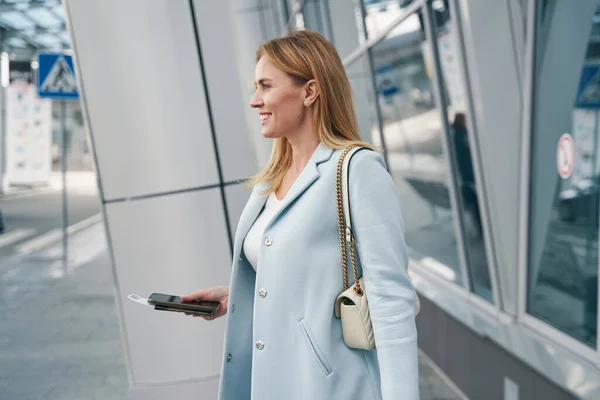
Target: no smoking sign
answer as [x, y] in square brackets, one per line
[565, 155]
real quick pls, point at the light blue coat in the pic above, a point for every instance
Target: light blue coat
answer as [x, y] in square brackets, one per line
[304, 355]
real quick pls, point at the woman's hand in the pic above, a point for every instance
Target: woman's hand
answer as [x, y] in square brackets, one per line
[217, 293]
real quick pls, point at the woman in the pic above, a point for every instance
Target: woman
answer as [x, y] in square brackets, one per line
[283, 341]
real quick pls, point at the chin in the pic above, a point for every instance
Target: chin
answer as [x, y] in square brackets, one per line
[270, 135]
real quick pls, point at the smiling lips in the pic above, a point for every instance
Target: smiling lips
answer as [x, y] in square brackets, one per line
[264, 118]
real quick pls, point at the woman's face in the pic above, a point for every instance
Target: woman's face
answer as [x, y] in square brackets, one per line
[279, 100]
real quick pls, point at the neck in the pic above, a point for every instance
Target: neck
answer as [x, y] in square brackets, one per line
[303, 147]
[304, 142]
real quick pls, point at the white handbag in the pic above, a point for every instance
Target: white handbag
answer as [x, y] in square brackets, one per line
[351, 305]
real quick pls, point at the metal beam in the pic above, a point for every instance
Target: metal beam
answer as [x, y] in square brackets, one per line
[7, 7]
[29, 35]
[38, 30]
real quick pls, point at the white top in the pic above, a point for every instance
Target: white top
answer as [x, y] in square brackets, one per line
[254, 238]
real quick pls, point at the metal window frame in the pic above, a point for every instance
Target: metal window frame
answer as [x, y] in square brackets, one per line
[495, 307]
[455, 202]
[298, 8]
[373, 81]
[529, 321]
[317, 14]
[370, 42]
[482, 195]
[517, 14]
[465, 289]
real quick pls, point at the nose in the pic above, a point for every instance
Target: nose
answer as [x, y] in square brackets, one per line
[256, 101]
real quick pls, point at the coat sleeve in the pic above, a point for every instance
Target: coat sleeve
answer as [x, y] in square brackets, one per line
[381, 248]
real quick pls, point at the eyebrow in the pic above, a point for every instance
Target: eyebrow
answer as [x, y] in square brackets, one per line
[263, 80]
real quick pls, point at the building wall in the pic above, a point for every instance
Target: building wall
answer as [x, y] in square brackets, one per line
[160, 93]
[468, 99]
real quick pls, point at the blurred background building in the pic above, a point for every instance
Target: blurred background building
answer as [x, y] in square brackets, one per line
[487, 112]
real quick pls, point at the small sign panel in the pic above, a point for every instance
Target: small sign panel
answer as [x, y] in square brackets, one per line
[56, 77]
[565, 156]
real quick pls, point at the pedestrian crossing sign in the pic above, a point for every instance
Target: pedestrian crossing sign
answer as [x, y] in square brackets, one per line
[56, 77]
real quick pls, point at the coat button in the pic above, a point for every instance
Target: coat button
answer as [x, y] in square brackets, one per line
[262, 292]
[268, 241]
[233, 308]
[260, 344]
[229, 357]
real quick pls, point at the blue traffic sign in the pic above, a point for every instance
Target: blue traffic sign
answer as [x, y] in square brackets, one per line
[588, 92]
[56, 77]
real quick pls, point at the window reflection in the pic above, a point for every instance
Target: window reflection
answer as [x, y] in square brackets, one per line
[413, 135]
[563, 274]
[456, 107]
[379, 14]
[314, 17]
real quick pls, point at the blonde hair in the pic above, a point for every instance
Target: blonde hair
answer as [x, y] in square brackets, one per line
[306, 55]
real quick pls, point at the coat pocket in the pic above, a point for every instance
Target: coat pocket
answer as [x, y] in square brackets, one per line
[315, 350]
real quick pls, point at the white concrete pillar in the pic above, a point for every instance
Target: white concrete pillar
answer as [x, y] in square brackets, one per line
[163, 106]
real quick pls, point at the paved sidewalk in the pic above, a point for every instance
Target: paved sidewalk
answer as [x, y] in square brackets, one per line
[59, 334]
[83, 182]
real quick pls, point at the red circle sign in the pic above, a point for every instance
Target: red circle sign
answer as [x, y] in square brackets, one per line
[565, 155]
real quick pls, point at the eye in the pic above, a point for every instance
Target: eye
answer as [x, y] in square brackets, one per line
[264, 86]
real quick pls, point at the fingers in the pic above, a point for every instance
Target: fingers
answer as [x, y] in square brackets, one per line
[206, 317]
[199, 295]
[208, 294]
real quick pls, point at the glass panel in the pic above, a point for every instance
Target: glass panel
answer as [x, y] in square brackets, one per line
[44, 17]
[413, 134]
[379, 14]
[456, 107]
[363, 92]
[565, 171]
[313, 16]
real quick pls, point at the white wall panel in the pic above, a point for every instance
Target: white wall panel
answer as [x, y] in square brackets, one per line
[205, 390]
[171, 244]
[227, 102]
[143, 89]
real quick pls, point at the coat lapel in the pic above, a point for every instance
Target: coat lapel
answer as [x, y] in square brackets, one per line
[255, 204]
[257, 200]
[309, 174]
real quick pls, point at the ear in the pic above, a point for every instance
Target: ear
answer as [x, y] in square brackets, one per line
[311, 92]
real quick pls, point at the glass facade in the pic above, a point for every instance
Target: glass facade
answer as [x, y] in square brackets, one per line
[425, 163]
[461, 148]
[413, 135]
[379, 14]
[418, 107]
[313, 16]
[565, 175]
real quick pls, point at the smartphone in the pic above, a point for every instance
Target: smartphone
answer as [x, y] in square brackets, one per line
[167, 302]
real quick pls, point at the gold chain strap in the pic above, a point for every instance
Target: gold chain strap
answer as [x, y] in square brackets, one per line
[342, 226]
